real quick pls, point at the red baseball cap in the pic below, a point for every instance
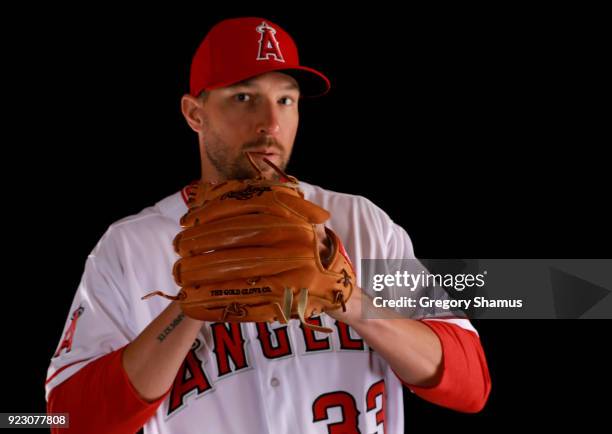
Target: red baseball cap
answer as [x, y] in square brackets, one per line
[240, 48]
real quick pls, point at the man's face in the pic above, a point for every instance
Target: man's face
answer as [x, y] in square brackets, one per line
[258, 115]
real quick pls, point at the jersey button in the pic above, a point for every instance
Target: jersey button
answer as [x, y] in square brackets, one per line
[274, 382]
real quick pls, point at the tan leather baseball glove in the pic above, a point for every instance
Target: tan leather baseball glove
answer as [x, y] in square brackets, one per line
[249, 252]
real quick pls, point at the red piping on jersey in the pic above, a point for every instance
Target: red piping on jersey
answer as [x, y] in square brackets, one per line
[187, 189]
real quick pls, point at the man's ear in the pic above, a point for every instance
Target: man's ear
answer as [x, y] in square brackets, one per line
[190, 107]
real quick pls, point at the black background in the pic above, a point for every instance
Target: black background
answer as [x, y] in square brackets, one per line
[480, 131]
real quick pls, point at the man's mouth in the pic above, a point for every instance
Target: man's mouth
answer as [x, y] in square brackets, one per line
[264, 152]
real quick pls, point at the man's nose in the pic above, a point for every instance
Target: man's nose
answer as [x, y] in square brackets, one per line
[268, 122]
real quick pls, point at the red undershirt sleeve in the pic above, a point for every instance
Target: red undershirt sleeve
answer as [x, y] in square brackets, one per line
[101, 399]
[465, 383]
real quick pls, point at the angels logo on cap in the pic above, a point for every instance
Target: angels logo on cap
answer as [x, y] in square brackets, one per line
[268, 45]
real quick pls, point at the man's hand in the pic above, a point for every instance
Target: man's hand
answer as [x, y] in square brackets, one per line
[353, 309]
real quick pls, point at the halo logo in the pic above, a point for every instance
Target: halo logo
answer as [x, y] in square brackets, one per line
[268, 45]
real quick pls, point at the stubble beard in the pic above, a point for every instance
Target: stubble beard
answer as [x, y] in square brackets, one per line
[230, 165]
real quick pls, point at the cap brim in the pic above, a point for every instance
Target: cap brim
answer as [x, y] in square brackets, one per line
[312, 83]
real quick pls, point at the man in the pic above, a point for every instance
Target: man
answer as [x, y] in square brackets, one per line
[124, 363]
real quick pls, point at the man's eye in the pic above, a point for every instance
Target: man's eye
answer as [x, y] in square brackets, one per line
[287, 100]
[242, 97]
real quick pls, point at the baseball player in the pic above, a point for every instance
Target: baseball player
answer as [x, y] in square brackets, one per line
[124, 363]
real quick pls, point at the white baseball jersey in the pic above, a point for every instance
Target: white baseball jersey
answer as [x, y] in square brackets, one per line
[239, 378]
